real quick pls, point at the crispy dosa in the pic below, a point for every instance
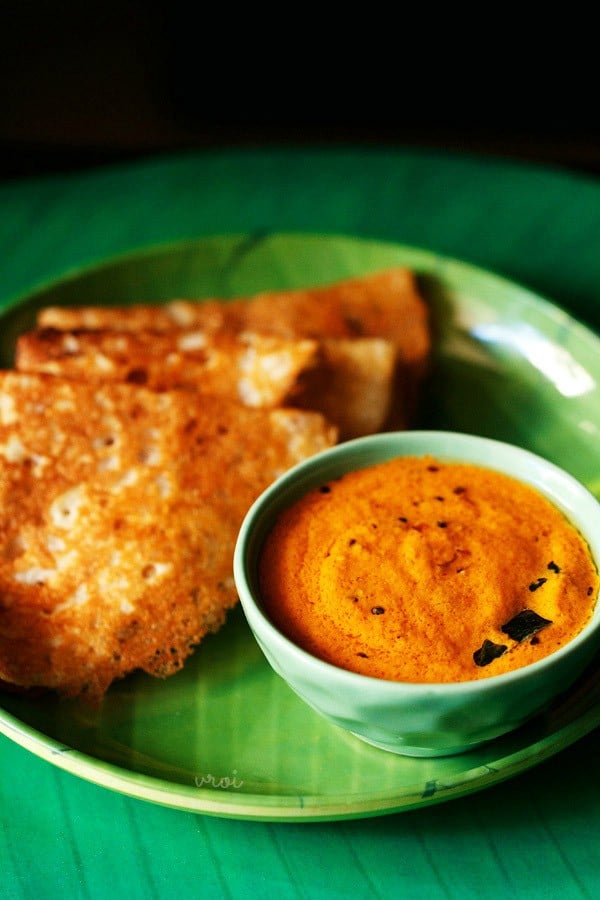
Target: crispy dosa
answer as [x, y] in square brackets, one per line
[255, 369]
[349, 380]
[384, 305]
[119, 511]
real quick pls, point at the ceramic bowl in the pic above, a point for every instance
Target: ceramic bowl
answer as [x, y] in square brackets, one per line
[406, 718]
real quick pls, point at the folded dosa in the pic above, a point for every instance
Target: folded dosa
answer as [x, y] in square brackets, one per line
[350, 380]
[385, 306]
[119, 511]
[254, 369]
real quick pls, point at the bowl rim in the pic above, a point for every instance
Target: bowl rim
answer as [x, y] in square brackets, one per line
[269, 503]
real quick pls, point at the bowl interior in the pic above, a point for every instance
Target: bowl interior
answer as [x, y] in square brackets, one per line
[575, 501]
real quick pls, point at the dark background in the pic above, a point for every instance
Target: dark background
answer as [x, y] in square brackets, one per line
[87, 84]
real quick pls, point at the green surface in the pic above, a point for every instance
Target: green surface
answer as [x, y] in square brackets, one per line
[62, 835]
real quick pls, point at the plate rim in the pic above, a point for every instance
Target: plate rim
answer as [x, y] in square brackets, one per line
[303, 808]
[96, 264]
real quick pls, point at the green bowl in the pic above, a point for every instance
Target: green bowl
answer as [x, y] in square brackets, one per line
[406, 718]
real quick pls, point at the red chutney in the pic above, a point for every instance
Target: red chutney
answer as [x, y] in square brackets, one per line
[421, 571]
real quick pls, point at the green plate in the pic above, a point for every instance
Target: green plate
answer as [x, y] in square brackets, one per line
[226, 736]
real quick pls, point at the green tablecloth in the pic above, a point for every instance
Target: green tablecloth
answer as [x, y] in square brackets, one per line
[535, 836]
